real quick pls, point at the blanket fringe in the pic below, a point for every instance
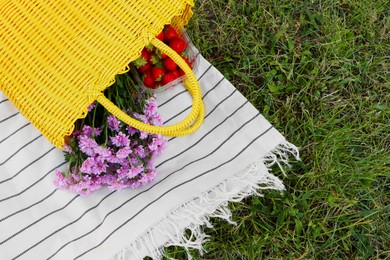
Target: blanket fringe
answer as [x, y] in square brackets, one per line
[211, 204]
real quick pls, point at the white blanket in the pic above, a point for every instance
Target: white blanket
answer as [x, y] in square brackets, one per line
[225, 160]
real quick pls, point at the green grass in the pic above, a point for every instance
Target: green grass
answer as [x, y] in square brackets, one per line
[318, 70]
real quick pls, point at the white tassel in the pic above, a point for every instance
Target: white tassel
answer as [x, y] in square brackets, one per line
[211, 204]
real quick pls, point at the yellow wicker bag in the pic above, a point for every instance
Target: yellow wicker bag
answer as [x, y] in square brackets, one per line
[57, 57]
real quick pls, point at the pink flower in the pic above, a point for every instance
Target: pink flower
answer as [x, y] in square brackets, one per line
[133, 184]
[148, 177]
[134, 171]
[134, 160]
[122, 172]
[87, 145]
[129, 172]
[88, 165]
[107, 179]
[123, 153]
[143, 135]
[140, 151]
[89, 131]
[113, 123]
[114, 159]
[155, 120]
[100, 167]
[116, 185]
[156, 143]
[103, 153]
[59, 180]
[151, 107]
[131, 130]
[67, 148]
[91, 106]
[120, 140]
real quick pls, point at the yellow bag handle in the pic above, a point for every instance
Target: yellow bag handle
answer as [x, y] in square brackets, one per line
[189, 124]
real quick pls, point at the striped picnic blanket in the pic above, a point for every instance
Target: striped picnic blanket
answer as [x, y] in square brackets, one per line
[227, 159]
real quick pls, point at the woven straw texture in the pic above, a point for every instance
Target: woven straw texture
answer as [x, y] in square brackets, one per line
[58, 56]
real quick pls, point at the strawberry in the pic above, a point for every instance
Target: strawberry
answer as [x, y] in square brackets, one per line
[160, 36]
[161, 55]
[178, 45]
[149, 80]
[145, 67]
[155, 60]
[169, 64]
[187, 60]
[142, 60]
[169, 33]
[175, 73]
[138, 63]
[149, 49]
[157, 73]
[145, 53]
[168, 77]
[181, 72]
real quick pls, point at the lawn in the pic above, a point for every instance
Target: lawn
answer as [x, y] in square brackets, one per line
[318, 70]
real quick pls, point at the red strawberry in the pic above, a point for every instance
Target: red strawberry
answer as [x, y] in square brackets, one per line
[175, 73]
[169, 64]
[138, 63]
[178, 45]
[160, 36]
[145, 67]
[169, 33]
[168, 77]
[149, 48]
[145, 53]
[154, 59]
[142, 60]
[157, 73]
[149, 80]
[161, 55]
[187, 60]
[181, 72]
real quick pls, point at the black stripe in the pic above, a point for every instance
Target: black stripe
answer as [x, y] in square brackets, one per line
[28, 165]
[172, 138]
[223, 100]
[178, 94]
[35, 222]
[4, 100]
[204, 136]
[204, 72]
[21, 148]
[5, 119]
[32, 205]
[154, 185]
[29, 187]
[187, 108]
[20, 128]
[58, 230]
[227, 139]
[173, 188]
